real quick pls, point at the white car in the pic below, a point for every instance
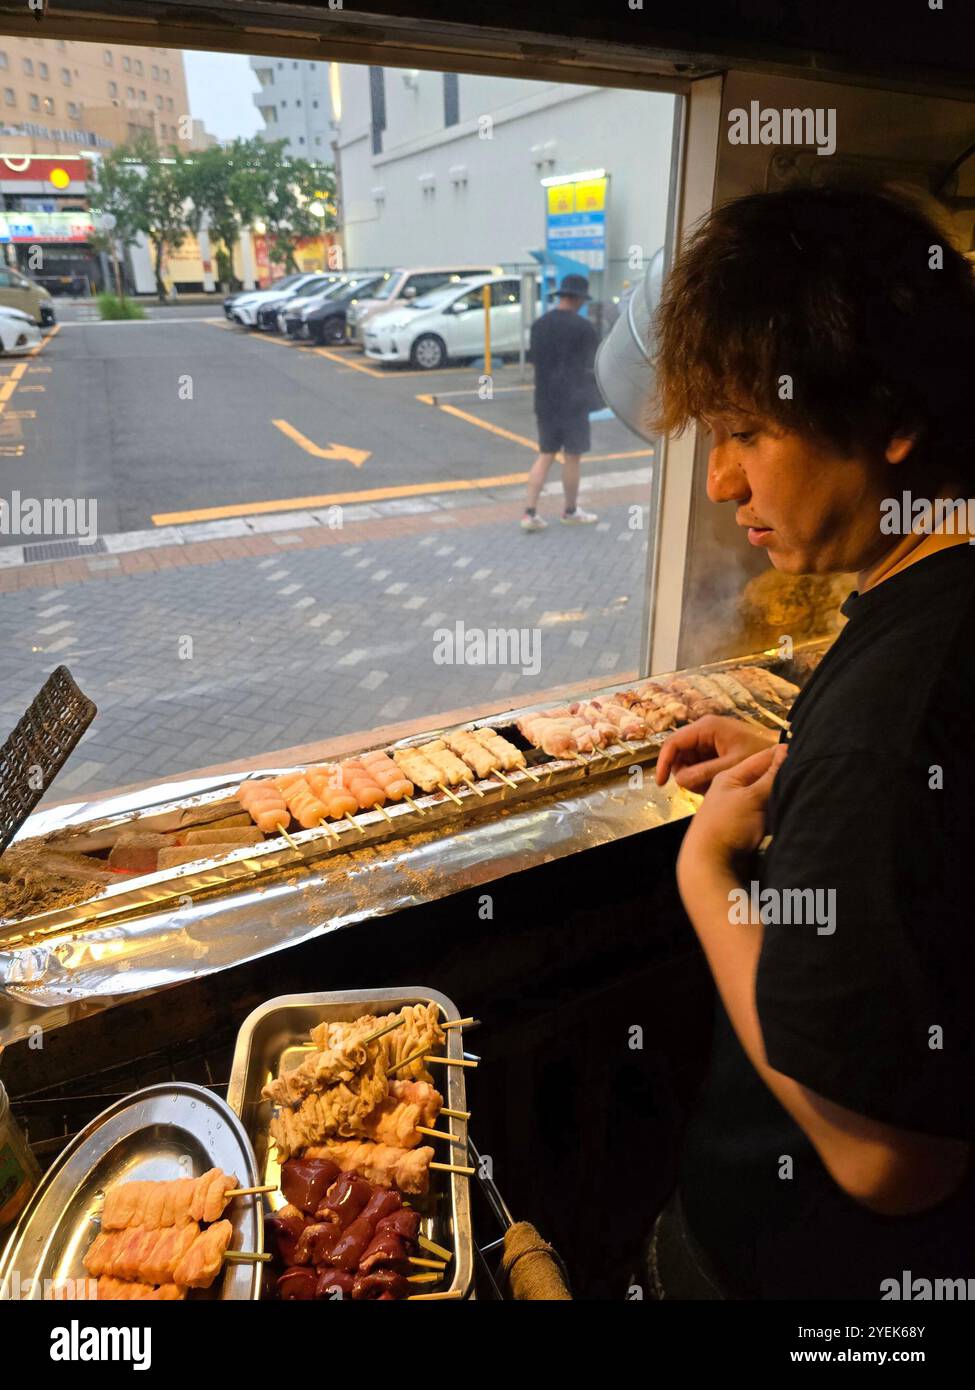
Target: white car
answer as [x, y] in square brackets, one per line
[18, 331]
[244, 308]
[447, 323]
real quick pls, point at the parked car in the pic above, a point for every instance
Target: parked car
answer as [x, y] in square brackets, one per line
[323, 318]
[18, 332]
[267, 313]
[245, 306]
[449, 323]
[309, 294]
[280, 284]
[404, 284]
[20, 292]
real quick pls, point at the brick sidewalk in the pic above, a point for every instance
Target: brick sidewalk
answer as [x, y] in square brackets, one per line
[216, 650]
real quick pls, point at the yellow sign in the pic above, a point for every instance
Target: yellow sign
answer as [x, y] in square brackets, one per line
[60, 178]
[591, 195]
[561, 199]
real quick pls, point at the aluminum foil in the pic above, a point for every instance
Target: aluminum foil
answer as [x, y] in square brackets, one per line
[70, 975]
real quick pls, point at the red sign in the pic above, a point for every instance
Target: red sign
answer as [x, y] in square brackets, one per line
[60, 173]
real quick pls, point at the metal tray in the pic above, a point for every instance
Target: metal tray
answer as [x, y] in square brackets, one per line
[171, 1131]
[278, 1032]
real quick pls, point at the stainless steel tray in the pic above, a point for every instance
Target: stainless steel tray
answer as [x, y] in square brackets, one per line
[278, 1033]
[172, 1131]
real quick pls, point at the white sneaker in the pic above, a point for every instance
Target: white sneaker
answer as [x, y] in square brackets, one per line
[578, 518]
[533, 523]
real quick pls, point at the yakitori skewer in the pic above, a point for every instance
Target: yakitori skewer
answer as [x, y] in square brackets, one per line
[452, 1061]
[448, 792]
[252, 1191]
[381, 1032]
[453, 1168]
[246, 1257]
[455, 1114]
[425, 1243]
[442, 1134]
[423, 1278]
[459, 1023]
[429, 1297]
[427, 1264]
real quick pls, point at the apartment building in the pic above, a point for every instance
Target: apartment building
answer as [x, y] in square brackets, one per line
[58, 96]
[294, 105]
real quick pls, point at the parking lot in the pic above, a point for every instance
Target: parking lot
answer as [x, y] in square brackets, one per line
[308, 520]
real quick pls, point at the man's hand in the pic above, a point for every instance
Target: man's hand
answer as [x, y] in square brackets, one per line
[730, 822]
[695, 754]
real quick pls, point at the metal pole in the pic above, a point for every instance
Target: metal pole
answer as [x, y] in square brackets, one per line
[486, 296]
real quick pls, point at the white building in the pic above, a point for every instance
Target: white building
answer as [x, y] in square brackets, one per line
[293, 102]
[441, 168]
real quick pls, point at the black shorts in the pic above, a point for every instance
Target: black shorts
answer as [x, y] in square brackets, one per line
[567, 430]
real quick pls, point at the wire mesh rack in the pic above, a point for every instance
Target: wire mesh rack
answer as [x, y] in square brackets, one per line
[51, 1117]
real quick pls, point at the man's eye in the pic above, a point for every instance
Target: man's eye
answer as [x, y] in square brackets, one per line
[744, 435]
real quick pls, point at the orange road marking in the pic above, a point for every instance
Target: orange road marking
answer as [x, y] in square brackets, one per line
[356, 457]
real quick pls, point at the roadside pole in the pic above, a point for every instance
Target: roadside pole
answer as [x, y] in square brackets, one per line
[486, 296]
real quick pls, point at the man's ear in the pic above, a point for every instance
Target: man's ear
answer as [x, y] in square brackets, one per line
[899, 446]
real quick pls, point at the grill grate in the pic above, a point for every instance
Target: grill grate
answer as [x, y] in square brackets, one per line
[38, 748]
[63, 550]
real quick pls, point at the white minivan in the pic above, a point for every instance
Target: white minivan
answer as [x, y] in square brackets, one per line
[449, 323]
[404, 284]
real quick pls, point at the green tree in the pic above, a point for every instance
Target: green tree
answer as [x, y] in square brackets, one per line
[283, 192]
[114, 193]
[161, 201]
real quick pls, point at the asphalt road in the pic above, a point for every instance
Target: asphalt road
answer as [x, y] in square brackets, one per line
[182, 417]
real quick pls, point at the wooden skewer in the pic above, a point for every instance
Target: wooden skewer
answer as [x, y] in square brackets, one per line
[473, 786]
[450, 793]
[458, 1023]
[420, 810]
[442, 1134]
[423, 1278]
[246, 1257]
[427, 1264]
[383, 812]
[286, 836]
[529, 773]
[453, 1168]
[250, 1191]
[414, 1057]
[429, 1297]
[426, 1244]
[451, 1061]
[354, 823]
[455, 1114]
[381, 1032]
[504, 778]
[329, 829]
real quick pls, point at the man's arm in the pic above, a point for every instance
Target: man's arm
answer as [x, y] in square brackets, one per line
[886, 1168]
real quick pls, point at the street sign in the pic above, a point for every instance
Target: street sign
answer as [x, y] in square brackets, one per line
[575, 220]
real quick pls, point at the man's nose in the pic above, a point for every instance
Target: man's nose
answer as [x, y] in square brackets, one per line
[726, 481]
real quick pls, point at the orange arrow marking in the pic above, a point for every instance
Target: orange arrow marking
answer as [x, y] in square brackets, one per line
[356, 457]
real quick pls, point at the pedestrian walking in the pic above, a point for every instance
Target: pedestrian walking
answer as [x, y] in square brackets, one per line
[563, 350]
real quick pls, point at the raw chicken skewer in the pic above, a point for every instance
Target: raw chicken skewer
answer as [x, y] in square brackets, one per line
[182, 1255]
[110, 1288]
[156, 1204]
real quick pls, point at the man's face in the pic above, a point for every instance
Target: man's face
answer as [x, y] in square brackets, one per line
[813, 510]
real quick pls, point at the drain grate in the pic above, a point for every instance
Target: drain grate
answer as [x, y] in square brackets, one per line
[63, 550]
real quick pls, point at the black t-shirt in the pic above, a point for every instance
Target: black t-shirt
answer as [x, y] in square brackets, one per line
[563, 349]
[875, 801]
